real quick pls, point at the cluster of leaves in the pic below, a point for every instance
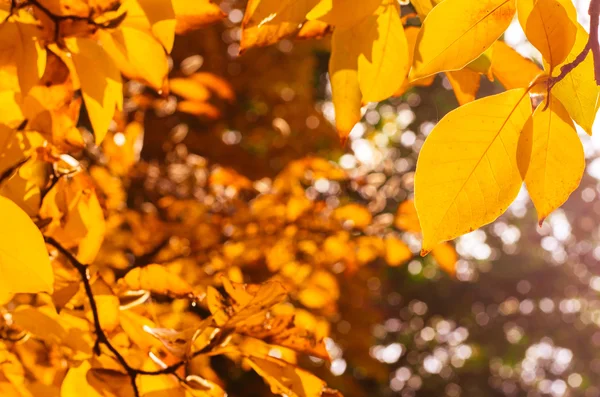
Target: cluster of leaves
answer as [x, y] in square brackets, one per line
[476, 159]
[106, 296]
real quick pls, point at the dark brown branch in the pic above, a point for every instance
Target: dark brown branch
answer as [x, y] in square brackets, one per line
[591, 45]
[11, 170]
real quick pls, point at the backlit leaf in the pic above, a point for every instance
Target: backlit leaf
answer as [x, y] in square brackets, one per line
[464, 181]
[192, 15]
[465, 84]
[267, 21]
[456, 32]
[346, 95]
[338, 14]
[24, 262]
[578, 91]
[130, 49]
[286, 379]
[550, 30]
[511, 68]
[556, 162]
[100, 83]
[157, 279]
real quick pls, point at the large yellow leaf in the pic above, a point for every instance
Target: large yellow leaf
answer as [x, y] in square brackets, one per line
[467, 172]
[345, 90]
[556, 162]
[511, 68]
[465, 84]
[267, 21]
[131, 49]
[550, 30]
[456, 32]
[24, 262]
[100, 83]
[338, 14]
[578, 91]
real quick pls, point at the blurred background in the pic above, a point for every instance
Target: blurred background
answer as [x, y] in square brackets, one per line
[517, 315]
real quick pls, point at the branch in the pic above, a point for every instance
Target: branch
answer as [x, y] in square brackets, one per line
[102, 339]
[591, 45]
[57, 19]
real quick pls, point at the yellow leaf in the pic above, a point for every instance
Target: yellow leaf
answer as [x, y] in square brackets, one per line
[396, 251]
[357, 214]
[467, 172]
[20, 52]
[383, 62]
[406, 217]
[557, 161]
[445, 255]
[161, 15]
[551, 31]
[100, 83]
[267, 21]
[131, 49]
[134, 324]
[10, 111]
[411, 33]
[24, 186]
[286, 379]
[189, 89]
[107, 304]
[77, 217]
[192, 15]
[338, 14]
[578, 91]
[511, 68]
[465, 84]
[76, 382]
[456, 32]
[24, 261]
[157, 279]
[320, 290]
[40, 321]
[345, 89]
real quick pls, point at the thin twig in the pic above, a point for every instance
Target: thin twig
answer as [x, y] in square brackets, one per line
[102, 339]
[591, 45]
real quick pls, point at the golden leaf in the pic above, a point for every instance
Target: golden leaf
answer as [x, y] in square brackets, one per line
[456, 32]
[511, 68]
[556, 159]
[550, 30]
[100, 83]
[464, 181]
[24, 260]
[465, 84]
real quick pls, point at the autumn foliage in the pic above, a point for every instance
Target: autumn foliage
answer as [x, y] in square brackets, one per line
[127, 277]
